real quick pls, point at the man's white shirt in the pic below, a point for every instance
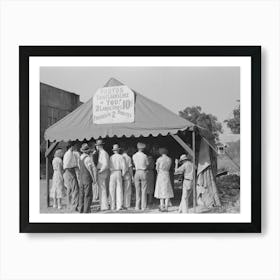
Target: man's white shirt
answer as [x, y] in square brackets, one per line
[103, 161]
[140, 161]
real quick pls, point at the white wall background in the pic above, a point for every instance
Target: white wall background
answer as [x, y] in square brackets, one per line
[139, 256]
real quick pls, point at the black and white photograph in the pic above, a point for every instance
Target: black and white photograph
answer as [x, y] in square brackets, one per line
[143, 137]
[140, 140]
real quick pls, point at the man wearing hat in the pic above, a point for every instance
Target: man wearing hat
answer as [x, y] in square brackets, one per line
[187, 170]
[141, 163]
[118, 170]
[71, 175]
[103, 174]
[87, 177]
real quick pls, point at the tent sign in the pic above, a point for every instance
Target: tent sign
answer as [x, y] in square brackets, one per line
[113, 105]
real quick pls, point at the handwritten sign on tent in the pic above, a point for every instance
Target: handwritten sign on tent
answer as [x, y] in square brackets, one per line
[113, 105]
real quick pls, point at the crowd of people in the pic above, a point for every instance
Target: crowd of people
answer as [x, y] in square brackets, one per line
[92, 175]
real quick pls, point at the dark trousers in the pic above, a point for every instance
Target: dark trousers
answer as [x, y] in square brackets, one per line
[85, 197]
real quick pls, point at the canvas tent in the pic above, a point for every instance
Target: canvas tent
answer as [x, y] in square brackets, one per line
[151, 120]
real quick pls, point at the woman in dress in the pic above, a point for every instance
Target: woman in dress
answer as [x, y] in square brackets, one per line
[163, 190]
[57, 181]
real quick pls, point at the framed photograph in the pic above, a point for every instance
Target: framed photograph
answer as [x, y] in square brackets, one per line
[140, 139]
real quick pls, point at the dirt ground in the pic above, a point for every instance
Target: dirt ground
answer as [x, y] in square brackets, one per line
[228, 188]
[95, 206]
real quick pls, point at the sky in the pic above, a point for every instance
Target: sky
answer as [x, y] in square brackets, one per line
[215, 89]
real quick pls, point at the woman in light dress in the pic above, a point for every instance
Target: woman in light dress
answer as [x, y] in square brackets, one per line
[57, 181]
[163, 189]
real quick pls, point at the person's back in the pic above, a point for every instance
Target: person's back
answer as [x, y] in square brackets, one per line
[103, 174]
[164, 163]
[163, 189]
[57, 164]
[141, 163]
[86, 178]
[188, 170]
[127, 180]
[56, 192]
[117, 163]
[127, 160]
[71, 178]
[140, 160]
[117, 168]
[103, 160]
[69, 159]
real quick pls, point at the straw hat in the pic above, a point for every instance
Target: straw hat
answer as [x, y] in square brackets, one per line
[99, 142]
[141, 146]
[116, 147]
[184, 157]
[85, 148]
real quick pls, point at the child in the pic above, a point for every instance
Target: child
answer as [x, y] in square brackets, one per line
[57, 181]
[163, 190]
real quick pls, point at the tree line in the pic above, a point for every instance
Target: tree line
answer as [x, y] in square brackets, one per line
[210, 122]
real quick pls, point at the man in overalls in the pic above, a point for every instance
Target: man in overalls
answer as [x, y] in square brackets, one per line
[71, 176]
[87, 177]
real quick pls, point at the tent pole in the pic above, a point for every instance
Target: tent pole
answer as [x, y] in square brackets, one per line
[194, 172]
[47, 175]
[182, 144]
[51, 148]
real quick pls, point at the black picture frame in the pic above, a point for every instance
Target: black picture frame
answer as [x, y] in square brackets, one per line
[25, 52]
